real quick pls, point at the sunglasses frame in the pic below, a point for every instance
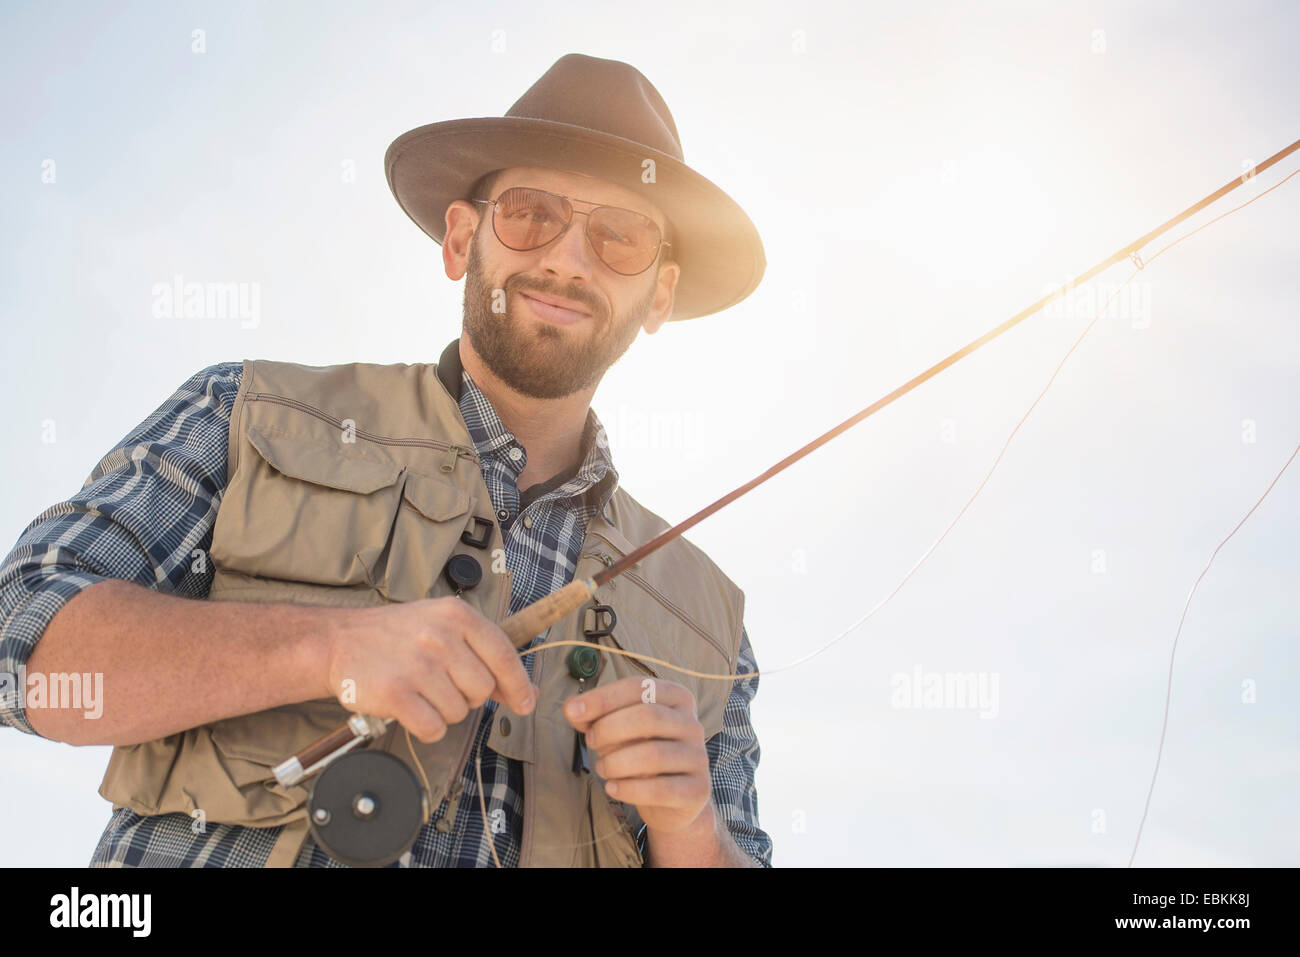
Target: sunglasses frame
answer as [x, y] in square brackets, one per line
[572, 212]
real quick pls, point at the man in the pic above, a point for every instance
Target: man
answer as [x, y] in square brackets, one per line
[315, 508]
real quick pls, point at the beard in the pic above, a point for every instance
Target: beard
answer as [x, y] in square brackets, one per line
[536, 358]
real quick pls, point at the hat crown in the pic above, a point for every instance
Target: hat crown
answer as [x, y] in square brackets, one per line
[606, 96]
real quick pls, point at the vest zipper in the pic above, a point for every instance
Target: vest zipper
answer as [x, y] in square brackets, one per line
[686, 619]
[607, 559]
[449, 463]
[528, 835]
[448, 820]
[453, 451]
[661, 598]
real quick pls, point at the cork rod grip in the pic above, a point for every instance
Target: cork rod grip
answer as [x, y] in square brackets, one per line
[529, 622]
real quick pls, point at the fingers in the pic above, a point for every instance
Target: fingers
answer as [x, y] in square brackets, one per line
[642, 722]
[494, 650]
[469, 674]
[427, 664]
[644, 759]
[421, 718]
[585, 709]
[441, 692]
[664, 791]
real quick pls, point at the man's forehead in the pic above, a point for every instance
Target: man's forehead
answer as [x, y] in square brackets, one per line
[578, 186]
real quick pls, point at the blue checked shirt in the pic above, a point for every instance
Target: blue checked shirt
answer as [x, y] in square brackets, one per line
[153, 499]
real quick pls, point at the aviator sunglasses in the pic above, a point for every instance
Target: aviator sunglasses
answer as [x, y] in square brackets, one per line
[524, 218]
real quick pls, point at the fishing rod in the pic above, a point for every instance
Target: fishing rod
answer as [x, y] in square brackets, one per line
[532, 620]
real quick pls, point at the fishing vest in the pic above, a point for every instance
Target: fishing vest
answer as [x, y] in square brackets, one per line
[352, 485]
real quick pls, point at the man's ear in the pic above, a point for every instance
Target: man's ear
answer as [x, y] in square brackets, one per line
[462, 220]
[665, 295]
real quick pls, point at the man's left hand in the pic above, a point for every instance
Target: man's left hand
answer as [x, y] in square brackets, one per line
[651, 748]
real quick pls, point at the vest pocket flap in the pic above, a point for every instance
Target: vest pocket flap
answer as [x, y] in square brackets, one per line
[268, 737]
[322, 464]
[427, 530]
[435, 499]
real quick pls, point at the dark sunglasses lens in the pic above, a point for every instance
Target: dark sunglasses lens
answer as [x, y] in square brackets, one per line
[528, 218]
[627, 241]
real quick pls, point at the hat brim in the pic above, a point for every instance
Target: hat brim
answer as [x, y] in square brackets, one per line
[714, 241]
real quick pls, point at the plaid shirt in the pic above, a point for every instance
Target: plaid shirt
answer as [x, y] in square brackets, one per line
[154, 498]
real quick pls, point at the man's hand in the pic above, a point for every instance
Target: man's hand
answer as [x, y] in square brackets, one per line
[651, 747]
[426, 664]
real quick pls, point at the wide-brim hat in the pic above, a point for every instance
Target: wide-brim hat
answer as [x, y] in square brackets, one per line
[604, 119]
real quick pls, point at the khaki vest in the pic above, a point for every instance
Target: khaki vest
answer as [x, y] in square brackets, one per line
[350, 485]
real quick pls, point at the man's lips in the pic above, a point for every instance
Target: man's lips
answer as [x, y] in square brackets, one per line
[553, 312]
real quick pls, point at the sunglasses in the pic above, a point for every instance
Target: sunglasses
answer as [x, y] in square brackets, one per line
[524, 218]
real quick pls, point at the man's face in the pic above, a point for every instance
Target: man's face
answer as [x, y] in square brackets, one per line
[537, 353]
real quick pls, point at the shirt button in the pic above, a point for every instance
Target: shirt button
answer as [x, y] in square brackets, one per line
[528, 521]
[505, 727]
[515, 453]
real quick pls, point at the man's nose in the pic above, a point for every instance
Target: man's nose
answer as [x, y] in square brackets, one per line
[570, 256]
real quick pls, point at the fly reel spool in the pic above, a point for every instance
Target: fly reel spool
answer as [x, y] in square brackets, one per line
[366, 808]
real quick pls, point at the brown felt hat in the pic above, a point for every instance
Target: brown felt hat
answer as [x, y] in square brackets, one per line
[604, 119]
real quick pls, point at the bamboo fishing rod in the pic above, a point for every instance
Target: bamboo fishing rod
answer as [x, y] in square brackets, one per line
[528, 622]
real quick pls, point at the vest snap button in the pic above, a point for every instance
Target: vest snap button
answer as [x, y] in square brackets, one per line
[584, 663]
[502, 514]
[463, 571]
[505, 727]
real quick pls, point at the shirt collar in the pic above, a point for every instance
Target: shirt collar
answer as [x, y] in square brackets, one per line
[595, 478]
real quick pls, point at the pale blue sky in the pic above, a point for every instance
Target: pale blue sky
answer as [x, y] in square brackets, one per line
[918, 173]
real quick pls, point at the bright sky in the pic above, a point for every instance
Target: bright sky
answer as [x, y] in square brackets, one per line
[918, 173]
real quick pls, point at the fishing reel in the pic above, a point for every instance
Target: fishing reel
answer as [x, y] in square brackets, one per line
[366, 808]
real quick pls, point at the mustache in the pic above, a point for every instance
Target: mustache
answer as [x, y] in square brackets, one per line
[573, 295]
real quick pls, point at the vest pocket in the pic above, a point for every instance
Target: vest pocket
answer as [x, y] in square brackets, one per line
[430, 519]
[239, 781]
[306, 510]
[266, 738]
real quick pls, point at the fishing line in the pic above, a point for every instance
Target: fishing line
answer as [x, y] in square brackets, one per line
[482, 804]
[1169, 685]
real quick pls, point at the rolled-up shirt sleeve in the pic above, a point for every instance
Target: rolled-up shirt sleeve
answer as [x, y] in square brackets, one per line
[144, 515]
[733, 760]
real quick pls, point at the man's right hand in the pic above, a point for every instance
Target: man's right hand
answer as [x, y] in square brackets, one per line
[425, 663]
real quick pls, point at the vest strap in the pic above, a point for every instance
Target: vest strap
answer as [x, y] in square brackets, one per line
[289, 844]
